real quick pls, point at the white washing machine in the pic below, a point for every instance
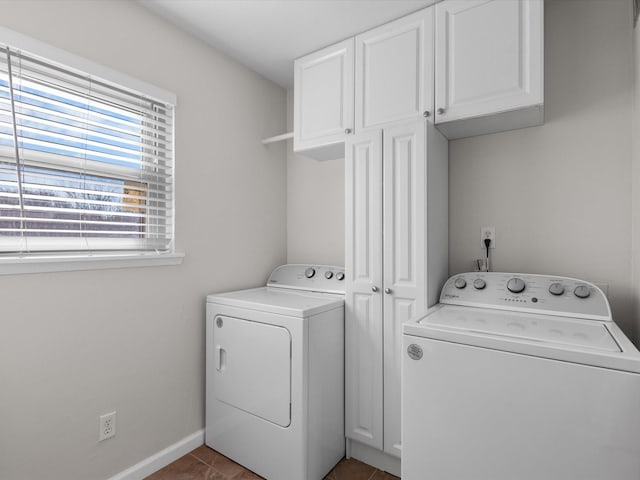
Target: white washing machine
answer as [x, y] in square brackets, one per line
[519, 377]
[275, 373]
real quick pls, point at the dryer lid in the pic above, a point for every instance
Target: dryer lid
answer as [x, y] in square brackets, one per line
[280, 301]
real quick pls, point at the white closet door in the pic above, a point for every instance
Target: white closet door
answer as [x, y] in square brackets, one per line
[394, 71]
[405, 250]
[488, 57]
[252, 364]
[363, 309]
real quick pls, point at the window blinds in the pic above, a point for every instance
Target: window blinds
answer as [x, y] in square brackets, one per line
[84, 164]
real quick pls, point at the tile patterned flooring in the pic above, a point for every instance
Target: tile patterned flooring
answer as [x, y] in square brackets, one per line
[204, 463]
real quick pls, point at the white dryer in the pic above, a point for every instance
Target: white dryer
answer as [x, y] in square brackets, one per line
[275, 373]
[519, 377]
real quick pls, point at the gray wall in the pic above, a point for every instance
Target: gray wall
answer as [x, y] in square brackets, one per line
[80, 344]
[315, 206]
[558, 195]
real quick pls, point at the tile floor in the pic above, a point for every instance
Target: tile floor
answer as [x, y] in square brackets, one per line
[204, 463]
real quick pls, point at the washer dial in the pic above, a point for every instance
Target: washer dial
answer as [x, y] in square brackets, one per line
[556, 288]
[310, 272]
[582, 291]
[516, 285]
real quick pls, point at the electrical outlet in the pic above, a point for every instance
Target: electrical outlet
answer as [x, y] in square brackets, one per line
[490, 233]
[107, 426]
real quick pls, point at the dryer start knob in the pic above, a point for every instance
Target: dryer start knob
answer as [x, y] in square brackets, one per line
[460, 283]
[479, 284]
[309, 272]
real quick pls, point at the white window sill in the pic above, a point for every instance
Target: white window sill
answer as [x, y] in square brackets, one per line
[98, 261]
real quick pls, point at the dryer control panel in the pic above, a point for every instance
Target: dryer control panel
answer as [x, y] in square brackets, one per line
[551, 295]
[316, 278]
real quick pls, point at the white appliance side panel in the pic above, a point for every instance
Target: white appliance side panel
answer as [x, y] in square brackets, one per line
[326, 393]
[404, 219]
[481, 414]
[252, 363]
[437, 266]
[363, 275]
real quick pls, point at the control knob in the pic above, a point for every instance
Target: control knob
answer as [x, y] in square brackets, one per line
[340, 276]
[309, 272]
[515, 285]
[328, 274]
[479, 284]
[582, 291]
[556, 289]
[460, 283]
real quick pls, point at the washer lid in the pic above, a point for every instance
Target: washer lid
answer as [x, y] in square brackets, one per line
[281, 301]
[542, 329]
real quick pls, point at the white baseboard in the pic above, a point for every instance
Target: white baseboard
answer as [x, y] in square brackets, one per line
[161, 459]
[375, 458]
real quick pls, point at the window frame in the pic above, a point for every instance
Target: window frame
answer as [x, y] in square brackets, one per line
[66, 260]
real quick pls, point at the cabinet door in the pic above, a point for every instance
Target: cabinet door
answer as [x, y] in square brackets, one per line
[394, 71]
[488, 57]
[323, 97]
[363, 299]
[404, 257]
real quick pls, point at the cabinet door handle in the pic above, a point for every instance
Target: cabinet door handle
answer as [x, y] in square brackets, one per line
[374, 289]
[441, 111]
[347, 131]
[387, 291]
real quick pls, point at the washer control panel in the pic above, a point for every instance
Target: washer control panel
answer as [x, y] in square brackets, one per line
[546, 294]
[319, 278]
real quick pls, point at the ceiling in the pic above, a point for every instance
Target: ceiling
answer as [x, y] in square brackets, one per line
[267, 35]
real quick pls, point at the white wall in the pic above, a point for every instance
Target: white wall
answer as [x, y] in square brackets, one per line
[559, 195]
[315, 206]
[77, 345]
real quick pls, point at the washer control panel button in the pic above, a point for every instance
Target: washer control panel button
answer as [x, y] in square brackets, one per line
[310, 272]
[340, 276]
[328, 274]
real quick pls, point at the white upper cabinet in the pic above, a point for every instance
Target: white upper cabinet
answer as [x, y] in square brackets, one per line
[323, 101]
[394, 71]
[489, 60]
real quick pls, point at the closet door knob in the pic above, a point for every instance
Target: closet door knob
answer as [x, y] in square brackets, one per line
[374, 289]
[387, 291]
[440, 111]
[426, 114]
[347, 131]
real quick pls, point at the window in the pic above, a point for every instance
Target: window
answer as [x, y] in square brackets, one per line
[86, 165]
